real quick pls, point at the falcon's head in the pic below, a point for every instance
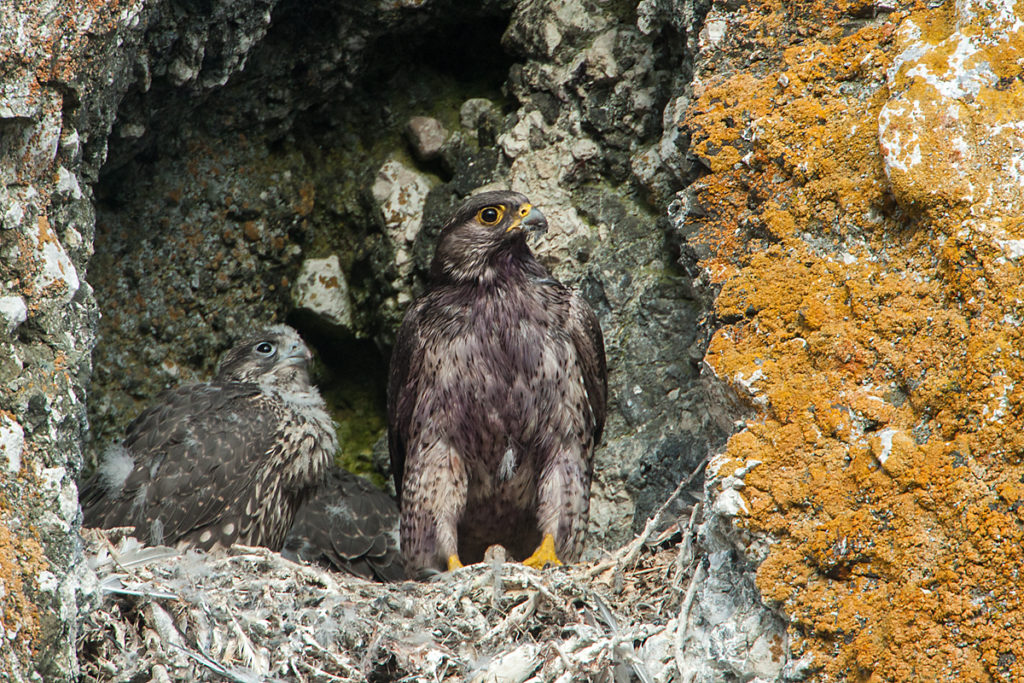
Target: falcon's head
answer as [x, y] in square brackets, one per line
[276, 355]
[487, 231]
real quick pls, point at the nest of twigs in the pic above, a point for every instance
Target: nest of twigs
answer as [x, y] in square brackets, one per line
[250, 615]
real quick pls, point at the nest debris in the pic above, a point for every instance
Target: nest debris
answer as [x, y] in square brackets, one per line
[249, 615]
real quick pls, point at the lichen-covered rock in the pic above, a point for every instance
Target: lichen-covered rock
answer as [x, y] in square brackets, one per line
[47, 330]
[322, 290]
[949, 132]
[67, 68]
[849, 258]
[860, 218]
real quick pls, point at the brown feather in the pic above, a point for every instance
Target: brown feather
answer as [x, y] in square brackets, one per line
[348, 525]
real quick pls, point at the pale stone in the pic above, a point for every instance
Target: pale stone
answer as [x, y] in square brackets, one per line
[427, 136]
[939, 133]
[473, 111]
[67, 183]
[13, 312]
[400, 193]
[12, 443]
[321, 289]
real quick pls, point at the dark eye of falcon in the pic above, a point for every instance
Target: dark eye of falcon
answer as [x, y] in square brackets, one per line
[265, 348]
[490, 215]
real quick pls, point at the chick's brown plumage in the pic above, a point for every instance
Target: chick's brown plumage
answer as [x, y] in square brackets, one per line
[221, 462]
[348, 525]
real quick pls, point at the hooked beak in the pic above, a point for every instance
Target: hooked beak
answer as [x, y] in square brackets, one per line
[530, 219]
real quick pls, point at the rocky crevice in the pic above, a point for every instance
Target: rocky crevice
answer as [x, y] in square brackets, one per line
[228, 154]
[242, 194]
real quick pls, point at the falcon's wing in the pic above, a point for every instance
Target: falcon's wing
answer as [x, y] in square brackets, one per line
[585, 332]
[198, 446]
[406, 366]
[348, 525]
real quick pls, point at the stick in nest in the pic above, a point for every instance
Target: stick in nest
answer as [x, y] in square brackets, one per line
[684, 614]
[626, 557]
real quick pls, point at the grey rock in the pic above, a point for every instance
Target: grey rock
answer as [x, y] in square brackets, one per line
[480, 118]
[730, 633]
[13, 312]
[12, 443]
[427, 136]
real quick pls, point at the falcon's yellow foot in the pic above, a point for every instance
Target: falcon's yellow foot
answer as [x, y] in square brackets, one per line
[454, 563]
[544, 554]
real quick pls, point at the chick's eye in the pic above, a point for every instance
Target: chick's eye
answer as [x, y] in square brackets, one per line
[265, 348]
[490, 215]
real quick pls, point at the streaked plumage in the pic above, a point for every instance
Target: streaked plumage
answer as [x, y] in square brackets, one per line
[222, 462]
[348, 525]
[496, 397]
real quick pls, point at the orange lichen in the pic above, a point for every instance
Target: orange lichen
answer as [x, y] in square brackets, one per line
[21, 560]
[251, 231]
[881, 350]
[306, 200]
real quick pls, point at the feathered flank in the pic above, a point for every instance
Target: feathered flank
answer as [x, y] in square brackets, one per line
[117, 465]
[348, 525]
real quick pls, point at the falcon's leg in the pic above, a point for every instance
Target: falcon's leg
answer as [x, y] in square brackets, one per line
[563, 501]
[433, 499]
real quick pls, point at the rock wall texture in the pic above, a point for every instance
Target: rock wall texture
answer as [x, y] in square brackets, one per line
[861, 216]
[47, 317]
[317, 197]
[798, 222]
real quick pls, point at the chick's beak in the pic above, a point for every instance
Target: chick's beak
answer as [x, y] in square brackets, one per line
[298, 354]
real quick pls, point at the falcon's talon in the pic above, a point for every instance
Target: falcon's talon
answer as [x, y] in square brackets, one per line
[454, 563]
[544, 554]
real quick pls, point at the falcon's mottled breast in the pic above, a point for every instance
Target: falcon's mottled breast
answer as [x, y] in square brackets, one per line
[222, 462]
[496, 397]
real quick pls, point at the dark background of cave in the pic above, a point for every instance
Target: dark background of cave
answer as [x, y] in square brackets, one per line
[212, 195]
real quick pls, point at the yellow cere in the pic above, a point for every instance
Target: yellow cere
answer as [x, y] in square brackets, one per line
[524, 211]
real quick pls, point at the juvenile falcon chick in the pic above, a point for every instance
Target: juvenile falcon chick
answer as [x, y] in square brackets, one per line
[496, 398]
[221, 462]
[348, 525]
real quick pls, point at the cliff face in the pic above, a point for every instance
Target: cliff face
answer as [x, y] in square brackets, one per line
[47, 319]
[861, 215]
[799, 225]
[311, 186]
